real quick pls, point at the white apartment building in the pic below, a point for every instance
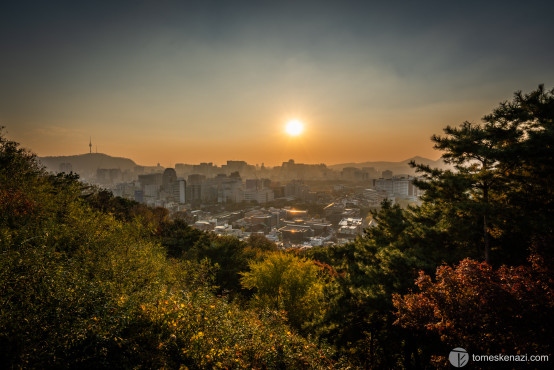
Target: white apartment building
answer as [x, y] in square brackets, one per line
[260, 196]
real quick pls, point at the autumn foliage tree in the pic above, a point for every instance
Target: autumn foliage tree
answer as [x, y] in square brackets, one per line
[482, 309]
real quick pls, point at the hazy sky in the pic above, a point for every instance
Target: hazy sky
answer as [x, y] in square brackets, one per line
[191, 81]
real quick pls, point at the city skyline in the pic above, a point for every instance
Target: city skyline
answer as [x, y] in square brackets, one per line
[191, 82]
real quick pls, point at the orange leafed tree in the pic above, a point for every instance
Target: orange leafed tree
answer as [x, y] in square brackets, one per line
[484, 310]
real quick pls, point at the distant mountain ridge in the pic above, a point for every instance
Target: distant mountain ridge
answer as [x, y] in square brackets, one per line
[401, 167]
[87, 163]
[90, 162]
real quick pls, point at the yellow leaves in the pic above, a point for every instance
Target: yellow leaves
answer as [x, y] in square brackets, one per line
[121, 280]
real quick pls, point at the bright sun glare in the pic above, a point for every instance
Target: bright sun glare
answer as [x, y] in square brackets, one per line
[294, 127]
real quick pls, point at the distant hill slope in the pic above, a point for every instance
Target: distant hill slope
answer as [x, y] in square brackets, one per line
[401, 167]
[87, 163]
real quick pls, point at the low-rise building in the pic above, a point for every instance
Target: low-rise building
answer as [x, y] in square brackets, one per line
[350, 227]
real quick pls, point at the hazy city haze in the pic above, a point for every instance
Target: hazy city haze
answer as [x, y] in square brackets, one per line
[192, 81]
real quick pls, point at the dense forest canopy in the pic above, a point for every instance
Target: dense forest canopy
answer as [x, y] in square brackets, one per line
[96, 281]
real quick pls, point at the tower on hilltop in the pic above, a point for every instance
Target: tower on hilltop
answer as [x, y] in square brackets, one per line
[90, 146]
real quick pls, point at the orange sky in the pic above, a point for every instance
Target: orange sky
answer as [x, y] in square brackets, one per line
[390, 136]
[328, 137]
[188, 82]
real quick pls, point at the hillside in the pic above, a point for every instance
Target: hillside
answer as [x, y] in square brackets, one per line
[401, 167]
[87, 163]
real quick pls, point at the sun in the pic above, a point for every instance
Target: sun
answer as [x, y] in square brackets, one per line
[294, 127]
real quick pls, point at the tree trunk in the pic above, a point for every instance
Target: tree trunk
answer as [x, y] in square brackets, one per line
[486, 240]
[485, 224]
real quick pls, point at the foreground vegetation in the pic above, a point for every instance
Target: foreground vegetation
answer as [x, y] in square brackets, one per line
[84, 282]
[93, 281]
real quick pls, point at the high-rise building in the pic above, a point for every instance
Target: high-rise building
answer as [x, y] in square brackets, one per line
[194, 188]
[296, 189]
[397, 186]
[182, 186]
[151, 179]
[372, 173]
[168, 178]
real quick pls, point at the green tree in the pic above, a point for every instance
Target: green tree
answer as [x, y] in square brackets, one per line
[229, 254]
[82, 286]
[283, 281]
[178, 237]
[502, 177]
[261, 243]
[369, 271]
[17, 164]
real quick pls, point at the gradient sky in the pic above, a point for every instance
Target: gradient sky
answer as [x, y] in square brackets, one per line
[197, 81]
